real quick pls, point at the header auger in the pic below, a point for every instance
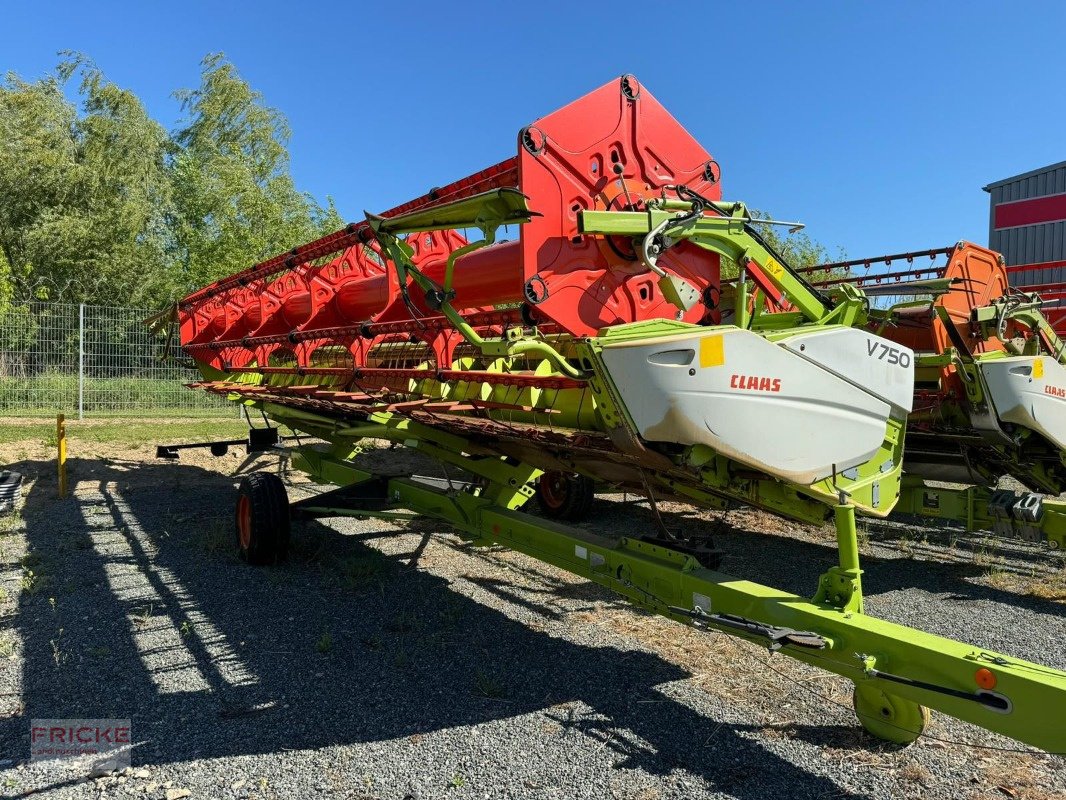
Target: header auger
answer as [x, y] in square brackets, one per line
[603, 345]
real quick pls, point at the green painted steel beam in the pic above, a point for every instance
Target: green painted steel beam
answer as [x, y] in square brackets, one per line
[970, 506]
[488, 209]
[729, 236]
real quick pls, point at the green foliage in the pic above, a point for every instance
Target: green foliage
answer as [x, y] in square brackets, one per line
[7, 284]
[18, 334]
[48, 391]
[797, 249]
[99, 204]
[235, 201]
[82, 196]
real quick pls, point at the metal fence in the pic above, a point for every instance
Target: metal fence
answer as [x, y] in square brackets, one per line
[85, 360]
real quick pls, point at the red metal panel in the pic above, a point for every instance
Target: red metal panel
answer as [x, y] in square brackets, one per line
[615, 148]
[1048, 290]
[504, 174]
[611, 149]
[1039, 267]
[1033, 211]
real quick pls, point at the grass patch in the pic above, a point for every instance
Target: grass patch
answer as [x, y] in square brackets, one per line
[986, 555]
[59, 655]
[916, 773]
[143, 615]
[125, 431]
[451, 613]
[10, 521]
[217, 537]
[862, 533]
[50, 392]
[35, 575]
[404, 622]
[324, 643]
[998, 577]
[362, 570]
[487, 686]
[1049, 587]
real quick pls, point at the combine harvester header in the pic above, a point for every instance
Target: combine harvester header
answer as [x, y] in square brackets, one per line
[989, 392]
[593, 154]
[604, 346]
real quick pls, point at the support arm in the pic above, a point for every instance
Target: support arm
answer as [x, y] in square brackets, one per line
[732, 237]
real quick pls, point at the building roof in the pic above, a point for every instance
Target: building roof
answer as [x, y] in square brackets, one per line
[1028, 174]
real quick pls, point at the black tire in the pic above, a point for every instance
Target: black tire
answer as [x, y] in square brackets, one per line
[261, 523]
[565, 496]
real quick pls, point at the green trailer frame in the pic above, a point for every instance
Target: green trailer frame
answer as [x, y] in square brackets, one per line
[898, 672]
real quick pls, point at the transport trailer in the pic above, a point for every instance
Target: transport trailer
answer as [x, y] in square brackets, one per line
[604, 345]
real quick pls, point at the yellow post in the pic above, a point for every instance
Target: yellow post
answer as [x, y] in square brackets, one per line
[61, 442]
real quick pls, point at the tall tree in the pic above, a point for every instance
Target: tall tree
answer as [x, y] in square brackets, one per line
[99, 204]
[235, 201]
[82, 196]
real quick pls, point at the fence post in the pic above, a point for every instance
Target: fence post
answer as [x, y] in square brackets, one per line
[61, 457]
[81, 361]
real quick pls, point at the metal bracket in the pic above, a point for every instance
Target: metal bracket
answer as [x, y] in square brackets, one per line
[1017, 514]
[777, 636]
[259, 440]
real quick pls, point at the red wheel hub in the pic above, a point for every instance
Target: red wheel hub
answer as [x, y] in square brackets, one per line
[244, 521]
[553, 489]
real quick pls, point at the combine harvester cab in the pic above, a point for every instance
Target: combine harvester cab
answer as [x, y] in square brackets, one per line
[603, 345]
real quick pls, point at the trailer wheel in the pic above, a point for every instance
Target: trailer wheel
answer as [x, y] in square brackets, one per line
[262, 519]
[561, 495]
[888, 716]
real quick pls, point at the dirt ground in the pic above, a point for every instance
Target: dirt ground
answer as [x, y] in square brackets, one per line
[387, 661]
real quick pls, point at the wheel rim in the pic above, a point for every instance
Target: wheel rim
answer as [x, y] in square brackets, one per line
[244, 521]
[888, 716]
[553, 489]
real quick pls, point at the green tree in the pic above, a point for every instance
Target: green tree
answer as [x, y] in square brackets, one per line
[82, 196]
[99, 204]
[235, 202]
[797, 249]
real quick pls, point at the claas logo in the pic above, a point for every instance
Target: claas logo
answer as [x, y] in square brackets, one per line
[755, 383]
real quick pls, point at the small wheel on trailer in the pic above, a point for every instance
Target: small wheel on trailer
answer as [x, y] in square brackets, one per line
[262, 520]
[563, 495]
[888, 716]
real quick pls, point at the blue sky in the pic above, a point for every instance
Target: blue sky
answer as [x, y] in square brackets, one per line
[877, 124]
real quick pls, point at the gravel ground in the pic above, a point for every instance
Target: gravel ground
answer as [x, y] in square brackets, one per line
[396, 662]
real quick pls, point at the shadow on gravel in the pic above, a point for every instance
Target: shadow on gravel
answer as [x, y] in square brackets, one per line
[925, 536]
[794, 565]
[155, 619]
